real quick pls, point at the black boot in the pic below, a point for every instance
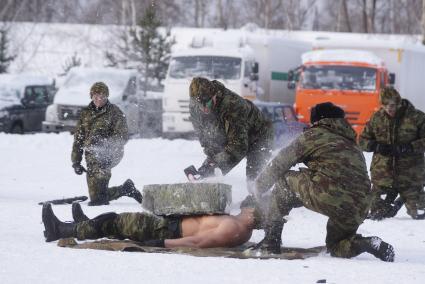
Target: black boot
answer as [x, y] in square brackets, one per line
[54, 228]
[272, 239]
[377, 247]
[128, 189]
[77, 213]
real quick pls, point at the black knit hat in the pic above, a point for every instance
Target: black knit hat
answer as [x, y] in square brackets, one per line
[325, 110]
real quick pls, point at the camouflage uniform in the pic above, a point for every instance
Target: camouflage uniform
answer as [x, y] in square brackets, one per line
[134, 226]
[101, 134]
[394, 173]
[335, 184]
[235, 128]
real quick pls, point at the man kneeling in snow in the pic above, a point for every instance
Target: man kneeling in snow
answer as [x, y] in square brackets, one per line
[205, 231]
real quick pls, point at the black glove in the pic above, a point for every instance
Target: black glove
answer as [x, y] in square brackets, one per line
[384, 149]
[207, 169]
[154, 243]
[78, 168]
[192, 173]
[404, 149]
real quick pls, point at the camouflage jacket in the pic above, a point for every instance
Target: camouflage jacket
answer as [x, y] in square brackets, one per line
[102, 134]
[336, 163]
[408, 126]
[227, 132]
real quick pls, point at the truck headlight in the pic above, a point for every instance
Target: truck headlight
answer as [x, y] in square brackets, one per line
[52, 113]
[4, 113]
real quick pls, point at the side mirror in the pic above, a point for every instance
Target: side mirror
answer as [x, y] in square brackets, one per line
[253, 77]
[24, 101]
[291, 76]
[391, 79]
[255, 68]
[291, 85]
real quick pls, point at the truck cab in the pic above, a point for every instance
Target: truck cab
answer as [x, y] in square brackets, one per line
[236, 69]
[23, 102]
[351, 79]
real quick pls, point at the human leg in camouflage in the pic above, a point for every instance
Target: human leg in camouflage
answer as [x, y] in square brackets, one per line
[342, 241]
[411, 197]
[133, 226]
[259, 153]
[281, 203]
[100, 194]
[97, 182]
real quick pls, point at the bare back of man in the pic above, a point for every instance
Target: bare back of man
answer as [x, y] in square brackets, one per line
[215, 231]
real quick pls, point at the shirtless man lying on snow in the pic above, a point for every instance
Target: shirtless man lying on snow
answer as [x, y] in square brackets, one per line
[206, 231]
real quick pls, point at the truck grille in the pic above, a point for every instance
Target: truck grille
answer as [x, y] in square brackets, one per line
[184, 105]
[69, 112]
[352, 116]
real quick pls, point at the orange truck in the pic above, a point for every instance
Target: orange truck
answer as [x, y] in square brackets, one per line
[350, 79]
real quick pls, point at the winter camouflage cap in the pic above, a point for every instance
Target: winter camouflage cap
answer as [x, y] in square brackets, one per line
[99, 88]
[389, 94]
[201, 89]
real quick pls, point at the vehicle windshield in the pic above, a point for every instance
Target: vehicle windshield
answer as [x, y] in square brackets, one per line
[339, 78]
[215, 67]
[116, 81]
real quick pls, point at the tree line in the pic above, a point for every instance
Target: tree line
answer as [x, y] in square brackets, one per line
[365, 16]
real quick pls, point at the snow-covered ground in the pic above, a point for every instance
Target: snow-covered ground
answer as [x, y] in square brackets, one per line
[37, 167]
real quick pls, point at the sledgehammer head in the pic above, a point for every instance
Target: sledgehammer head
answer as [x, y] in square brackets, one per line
[192, 173]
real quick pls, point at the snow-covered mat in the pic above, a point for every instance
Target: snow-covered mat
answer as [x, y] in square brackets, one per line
[242, 252]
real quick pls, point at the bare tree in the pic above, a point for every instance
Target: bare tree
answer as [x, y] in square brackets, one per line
[423, 22]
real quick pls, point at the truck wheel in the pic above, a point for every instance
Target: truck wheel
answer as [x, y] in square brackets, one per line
[17, 129]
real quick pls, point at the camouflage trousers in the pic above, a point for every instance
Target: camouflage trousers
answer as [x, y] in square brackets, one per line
[413, 197]
[297, 189]
[259, 153]
[134, 226]
[98, 184]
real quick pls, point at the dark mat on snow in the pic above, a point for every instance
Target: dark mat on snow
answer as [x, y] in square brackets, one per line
[241, 252]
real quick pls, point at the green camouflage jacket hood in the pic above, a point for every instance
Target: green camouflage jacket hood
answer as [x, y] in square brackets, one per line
[408, 126]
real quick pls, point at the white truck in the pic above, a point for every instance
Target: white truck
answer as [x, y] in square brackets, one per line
[255, 67]
[73, 96]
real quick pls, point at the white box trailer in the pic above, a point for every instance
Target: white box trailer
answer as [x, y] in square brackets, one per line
[230, 57]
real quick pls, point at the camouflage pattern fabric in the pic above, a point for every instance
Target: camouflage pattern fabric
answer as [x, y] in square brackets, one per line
[335, 184]
[134, 226]
[235, 129]
[101, 135]
[397, 172]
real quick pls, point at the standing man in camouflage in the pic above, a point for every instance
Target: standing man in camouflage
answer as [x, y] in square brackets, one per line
[101, 134]
[229, 129]
[396, 136]
[335, 184]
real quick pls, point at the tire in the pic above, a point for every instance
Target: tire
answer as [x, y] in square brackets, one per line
[17, 129]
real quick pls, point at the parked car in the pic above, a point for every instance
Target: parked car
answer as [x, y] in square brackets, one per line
[124, 91]
[23, 101]
[285, 122]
